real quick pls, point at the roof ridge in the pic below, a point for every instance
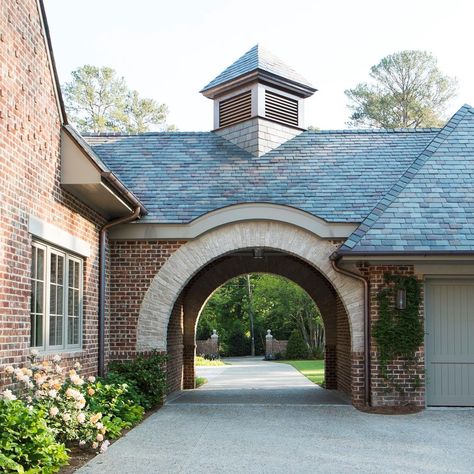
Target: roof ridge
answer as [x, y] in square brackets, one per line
[389, 197]
[349, 131]
[144, 134]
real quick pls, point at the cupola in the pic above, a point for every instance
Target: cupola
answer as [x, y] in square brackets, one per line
[258, 101]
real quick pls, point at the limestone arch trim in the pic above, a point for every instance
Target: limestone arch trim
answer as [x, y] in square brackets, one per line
[189, 259]
[231, 214]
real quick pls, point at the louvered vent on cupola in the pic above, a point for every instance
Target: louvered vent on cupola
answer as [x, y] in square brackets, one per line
[281, 109]
[236, 109]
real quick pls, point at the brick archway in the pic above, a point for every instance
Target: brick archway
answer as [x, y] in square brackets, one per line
[193, 256]
[165, 294]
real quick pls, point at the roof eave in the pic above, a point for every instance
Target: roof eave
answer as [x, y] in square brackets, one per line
[298, 88]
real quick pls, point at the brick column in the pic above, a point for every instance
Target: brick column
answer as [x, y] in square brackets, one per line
[330, 368]
[189, 352]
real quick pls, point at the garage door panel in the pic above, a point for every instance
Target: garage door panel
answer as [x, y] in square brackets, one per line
[450, 342]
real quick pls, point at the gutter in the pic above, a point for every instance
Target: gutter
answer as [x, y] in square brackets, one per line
[102, 280]
[334, 259]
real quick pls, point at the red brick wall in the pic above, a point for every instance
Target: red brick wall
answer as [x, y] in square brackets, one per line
[133, 265]
[30, 181]
[343, 349]
[381, 392]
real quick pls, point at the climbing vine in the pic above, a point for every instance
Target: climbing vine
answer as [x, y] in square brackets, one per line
[399, 332]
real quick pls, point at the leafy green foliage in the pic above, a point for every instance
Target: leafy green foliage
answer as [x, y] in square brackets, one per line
[297, 347]
[26, 443]
[278, 304]
[146, 375]
[407, 90]
[203, 362]
[112, 399]
[398, 332]
[99, 101]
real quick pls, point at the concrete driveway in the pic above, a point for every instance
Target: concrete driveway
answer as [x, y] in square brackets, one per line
[263, 417]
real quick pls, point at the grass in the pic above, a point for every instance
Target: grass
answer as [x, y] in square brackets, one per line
[202, 362]
[311, 369]
[200, 381]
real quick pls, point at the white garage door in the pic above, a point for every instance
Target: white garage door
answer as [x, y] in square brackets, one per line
[450, 342]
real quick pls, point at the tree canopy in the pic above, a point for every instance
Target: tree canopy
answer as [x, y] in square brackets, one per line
[278, 304]
[406, 90]
[97, 100]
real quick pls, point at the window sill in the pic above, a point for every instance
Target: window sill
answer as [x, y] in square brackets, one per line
[65, 354]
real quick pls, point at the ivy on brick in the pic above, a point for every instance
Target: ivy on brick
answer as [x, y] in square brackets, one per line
[398, 332]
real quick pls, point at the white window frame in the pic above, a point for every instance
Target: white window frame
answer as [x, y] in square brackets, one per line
[68, 257]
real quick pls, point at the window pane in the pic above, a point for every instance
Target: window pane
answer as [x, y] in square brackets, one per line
[53, 268]
[39, 264]
[39, 297]
[33, 263]
[60, 276]
[71, 274]
[52, 299]
[33, 297]
[76, 303]
[70, 301]
[59, 300]
[36, 330]
[76, 274]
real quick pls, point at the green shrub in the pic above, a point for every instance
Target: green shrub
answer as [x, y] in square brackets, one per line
[146, 374]
[120, 411]
[297, 347]
[317, 353]
[26, 443]
[238, 344]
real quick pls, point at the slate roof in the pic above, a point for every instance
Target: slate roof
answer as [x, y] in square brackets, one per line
[257, 58]
[337, 175]
[431, 208]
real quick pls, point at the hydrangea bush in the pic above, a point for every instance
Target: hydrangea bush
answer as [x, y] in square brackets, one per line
[59, 394]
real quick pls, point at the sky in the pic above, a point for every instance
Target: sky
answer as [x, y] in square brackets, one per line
[170, 50]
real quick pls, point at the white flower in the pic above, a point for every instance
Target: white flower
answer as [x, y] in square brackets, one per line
[81, 418]
[95, 445]
[104, 446]
[82, 442]
[53, 411]
[99, 437]
[34, 352]
[53, 393]
[76, 380]
[57, 358]
[67, 417]
[29, 399]
[99, 426]
[91, 379]
[58, 369]
[9, 369]
[77, 365]
[30, 384]
[8, 395]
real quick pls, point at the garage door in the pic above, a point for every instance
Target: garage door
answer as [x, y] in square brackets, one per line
[450, 342]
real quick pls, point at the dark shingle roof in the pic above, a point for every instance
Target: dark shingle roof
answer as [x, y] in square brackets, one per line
[257, 58]
[431, 208]
[336, 175]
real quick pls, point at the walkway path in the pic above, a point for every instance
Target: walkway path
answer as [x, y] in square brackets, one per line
[263, 417]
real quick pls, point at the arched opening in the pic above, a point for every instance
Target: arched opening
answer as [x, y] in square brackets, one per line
[252, 311]
[181, 334]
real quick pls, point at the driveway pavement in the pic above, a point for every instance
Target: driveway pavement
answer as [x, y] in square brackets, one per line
[263, 417]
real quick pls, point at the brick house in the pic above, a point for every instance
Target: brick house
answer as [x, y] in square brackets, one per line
[111, 244]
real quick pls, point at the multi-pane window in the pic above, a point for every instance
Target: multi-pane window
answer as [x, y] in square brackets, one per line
[56, 298]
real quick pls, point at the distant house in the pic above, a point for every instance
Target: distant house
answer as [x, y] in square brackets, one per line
[111, 244]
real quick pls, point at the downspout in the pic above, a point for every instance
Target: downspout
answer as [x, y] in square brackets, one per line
[102, 279]
[366, 326]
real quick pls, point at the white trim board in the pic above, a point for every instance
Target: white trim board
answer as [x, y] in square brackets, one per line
[143, 230]
[57, 236]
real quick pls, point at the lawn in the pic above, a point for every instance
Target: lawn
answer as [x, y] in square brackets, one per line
[200, 381]
[311, 369]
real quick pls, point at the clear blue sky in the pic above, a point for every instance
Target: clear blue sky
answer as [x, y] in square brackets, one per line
[170, 50]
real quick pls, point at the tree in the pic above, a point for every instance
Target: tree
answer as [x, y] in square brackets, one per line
[278, 304]
[97, 100]
[297, 347]
[407, 90]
